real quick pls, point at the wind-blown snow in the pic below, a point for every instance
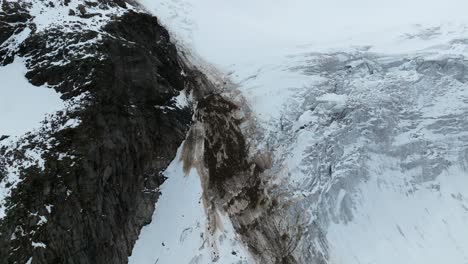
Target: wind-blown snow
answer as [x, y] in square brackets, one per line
[393, 226]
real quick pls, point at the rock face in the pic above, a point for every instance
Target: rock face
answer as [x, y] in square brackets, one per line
[101, 159]
[14, 17]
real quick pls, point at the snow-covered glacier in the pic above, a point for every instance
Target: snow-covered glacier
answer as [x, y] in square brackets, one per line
[248, 131]
[362, 107]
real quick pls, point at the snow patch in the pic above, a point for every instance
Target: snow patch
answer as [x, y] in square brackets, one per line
[38, 244]
[22, 105]
[182, 100]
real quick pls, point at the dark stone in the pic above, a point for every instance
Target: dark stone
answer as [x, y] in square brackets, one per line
[13, 19]
[104, 189]
[82, 9]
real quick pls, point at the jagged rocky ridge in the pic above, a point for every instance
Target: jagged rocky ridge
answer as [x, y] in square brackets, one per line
[88, 179]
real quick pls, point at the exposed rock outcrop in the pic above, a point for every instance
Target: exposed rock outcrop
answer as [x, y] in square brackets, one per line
[102, 158]
[233, 181]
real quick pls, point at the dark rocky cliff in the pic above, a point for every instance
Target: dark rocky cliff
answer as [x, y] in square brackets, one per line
[99, 180]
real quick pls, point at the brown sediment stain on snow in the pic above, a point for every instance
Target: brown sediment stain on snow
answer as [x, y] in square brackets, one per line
[192, 149]
[232, 177]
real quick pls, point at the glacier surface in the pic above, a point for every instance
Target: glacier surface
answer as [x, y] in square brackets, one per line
[363, 107]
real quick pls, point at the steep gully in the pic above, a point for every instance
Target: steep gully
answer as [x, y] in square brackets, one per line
[231, 174]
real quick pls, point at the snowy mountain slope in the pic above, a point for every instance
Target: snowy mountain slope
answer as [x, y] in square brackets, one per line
[289, 132]
[184, 239]
[376, 151]
[365, 118]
